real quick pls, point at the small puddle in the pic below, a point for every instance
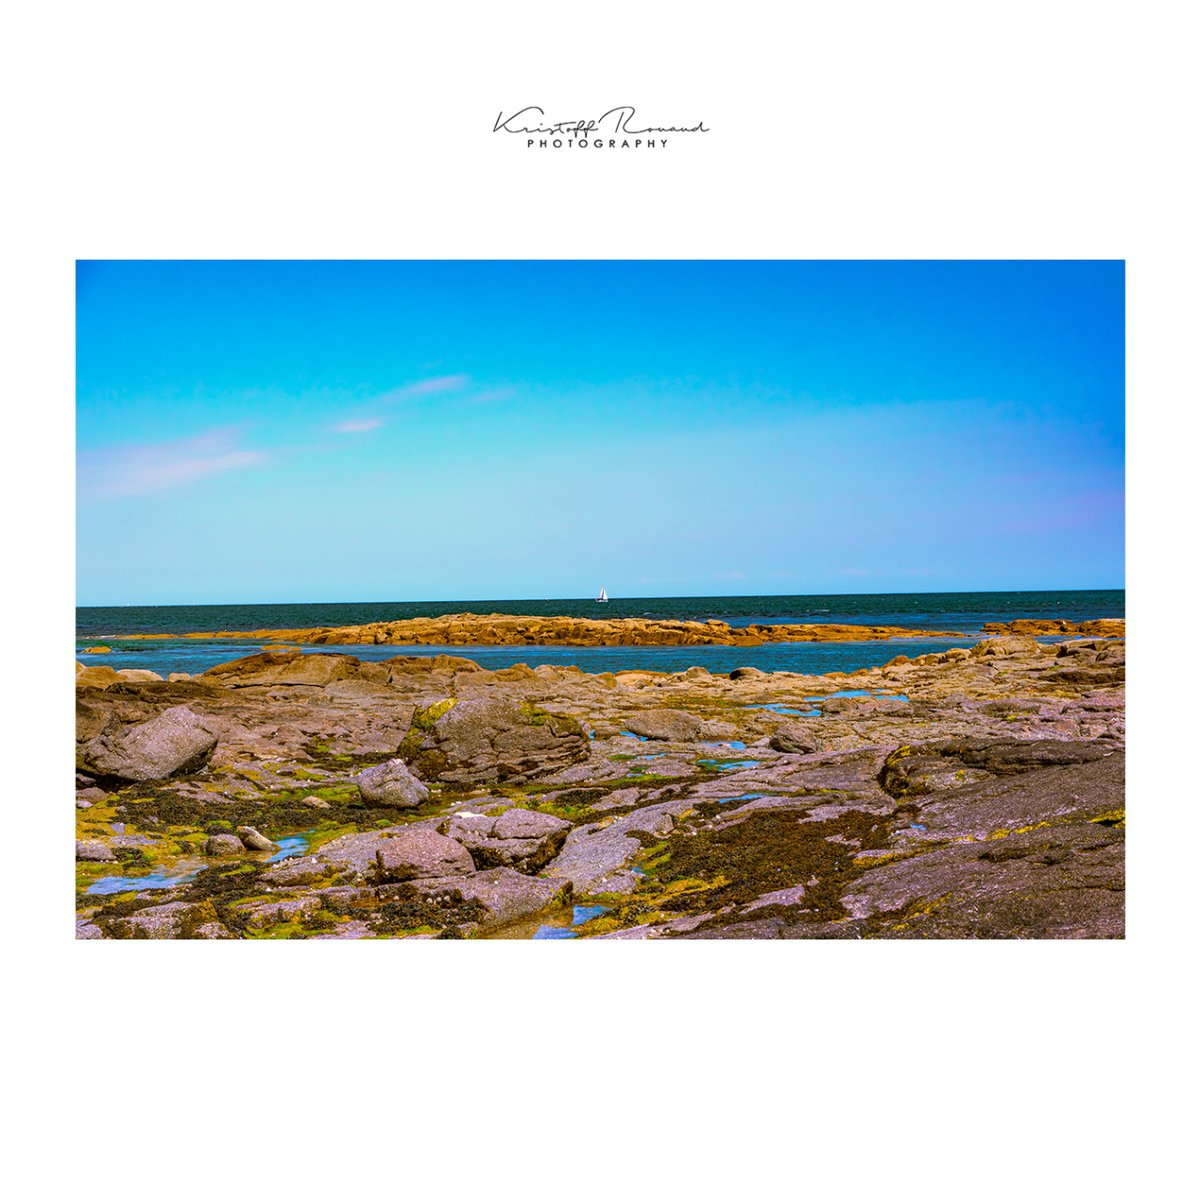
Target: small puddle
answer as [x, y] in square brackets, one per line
[851, 692]
[580, 915]
[636, 736]
[290, 847]
[730, 745]
[743, 796]
[783, 710]
[729, 766]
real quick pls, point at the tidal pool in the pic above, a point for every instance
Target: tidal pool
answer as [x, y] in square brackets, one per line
[580, 915]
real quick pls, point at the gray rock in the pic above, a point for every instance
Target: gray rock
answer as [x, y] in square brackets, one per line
[262, 913]
[223, 843]
[517, 838]
[994, 807]
[253, 840]
[493, 740]
[420, 853]
[392, 785]
[176, 742]
[794, 739]
[597, 857]
[1061, 882]
[159, 921]
[506, 894]
[953, 762]
[93, 852]
[666, 725]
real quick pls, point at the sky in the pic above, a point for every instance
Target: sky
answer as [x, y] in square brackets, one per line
[250, 432]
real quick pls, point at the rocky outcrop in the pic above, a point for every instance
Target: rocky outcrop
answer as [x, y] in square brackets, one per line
[420, 854]
[1063, 882]
[285, 668]
[1106, 627]
[504, 894]
[392, 785]
[493, 740]
[518, 837]
[954, 762]
[499, 629]
[667, 725]
[177, 742]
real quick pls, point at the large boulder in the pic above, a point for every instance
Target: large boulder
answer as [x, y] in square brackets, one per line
[395, 855]
[492, 741]
[392, 785]
[420, 853]
[517, 838]
[666, 725]
[176, 742]
[794, 739]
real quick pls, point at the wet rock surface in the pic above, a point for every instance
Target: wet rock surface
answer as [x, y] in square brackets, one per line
[297, 796]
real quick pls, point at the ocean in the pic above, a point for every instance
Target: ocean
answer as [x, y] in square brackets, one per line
[966, 612]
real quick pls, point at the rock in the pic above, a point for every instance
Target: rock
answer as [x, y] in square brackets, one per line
[158, 922]
[597, 857]
[517, 838]
[133, 675]
[253, 840]
[995, 807]
[491, 741]
[315, 802]
[178, 677]
[93, 852]
[506, 894]
[420, 853]
[96, 650]
[284, 669]
[99, 677]
[953, 762]
[746, 673]
[93, 795]
[794, 739]
[1063, 882]
[1003, 647]
[666, 725]
[262, 913]
[224, 843]
[176, 742]
[392, 785]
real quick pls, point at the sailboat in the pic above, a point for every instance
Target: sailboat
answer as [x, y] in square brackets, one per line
[602, 598]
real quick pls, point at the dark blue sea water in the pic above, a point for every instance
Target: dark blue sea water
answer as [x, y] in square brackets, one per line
[962, 611]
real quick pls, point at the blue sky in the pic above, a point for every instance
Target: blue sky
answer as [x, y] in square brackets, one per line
[256, 432]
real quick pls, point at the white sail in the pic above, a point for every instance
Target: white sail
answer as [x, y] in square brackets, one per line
[602, 598]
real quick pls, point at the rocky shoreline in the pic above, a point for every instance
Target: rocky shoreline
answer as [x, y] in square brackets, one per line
[973, 793]
[498, 629]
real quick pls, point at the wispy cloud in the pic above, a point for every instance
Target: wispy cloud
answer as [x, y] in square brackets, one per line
[425, 387]
[855, 571]
[359, 425]
[139, 469]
